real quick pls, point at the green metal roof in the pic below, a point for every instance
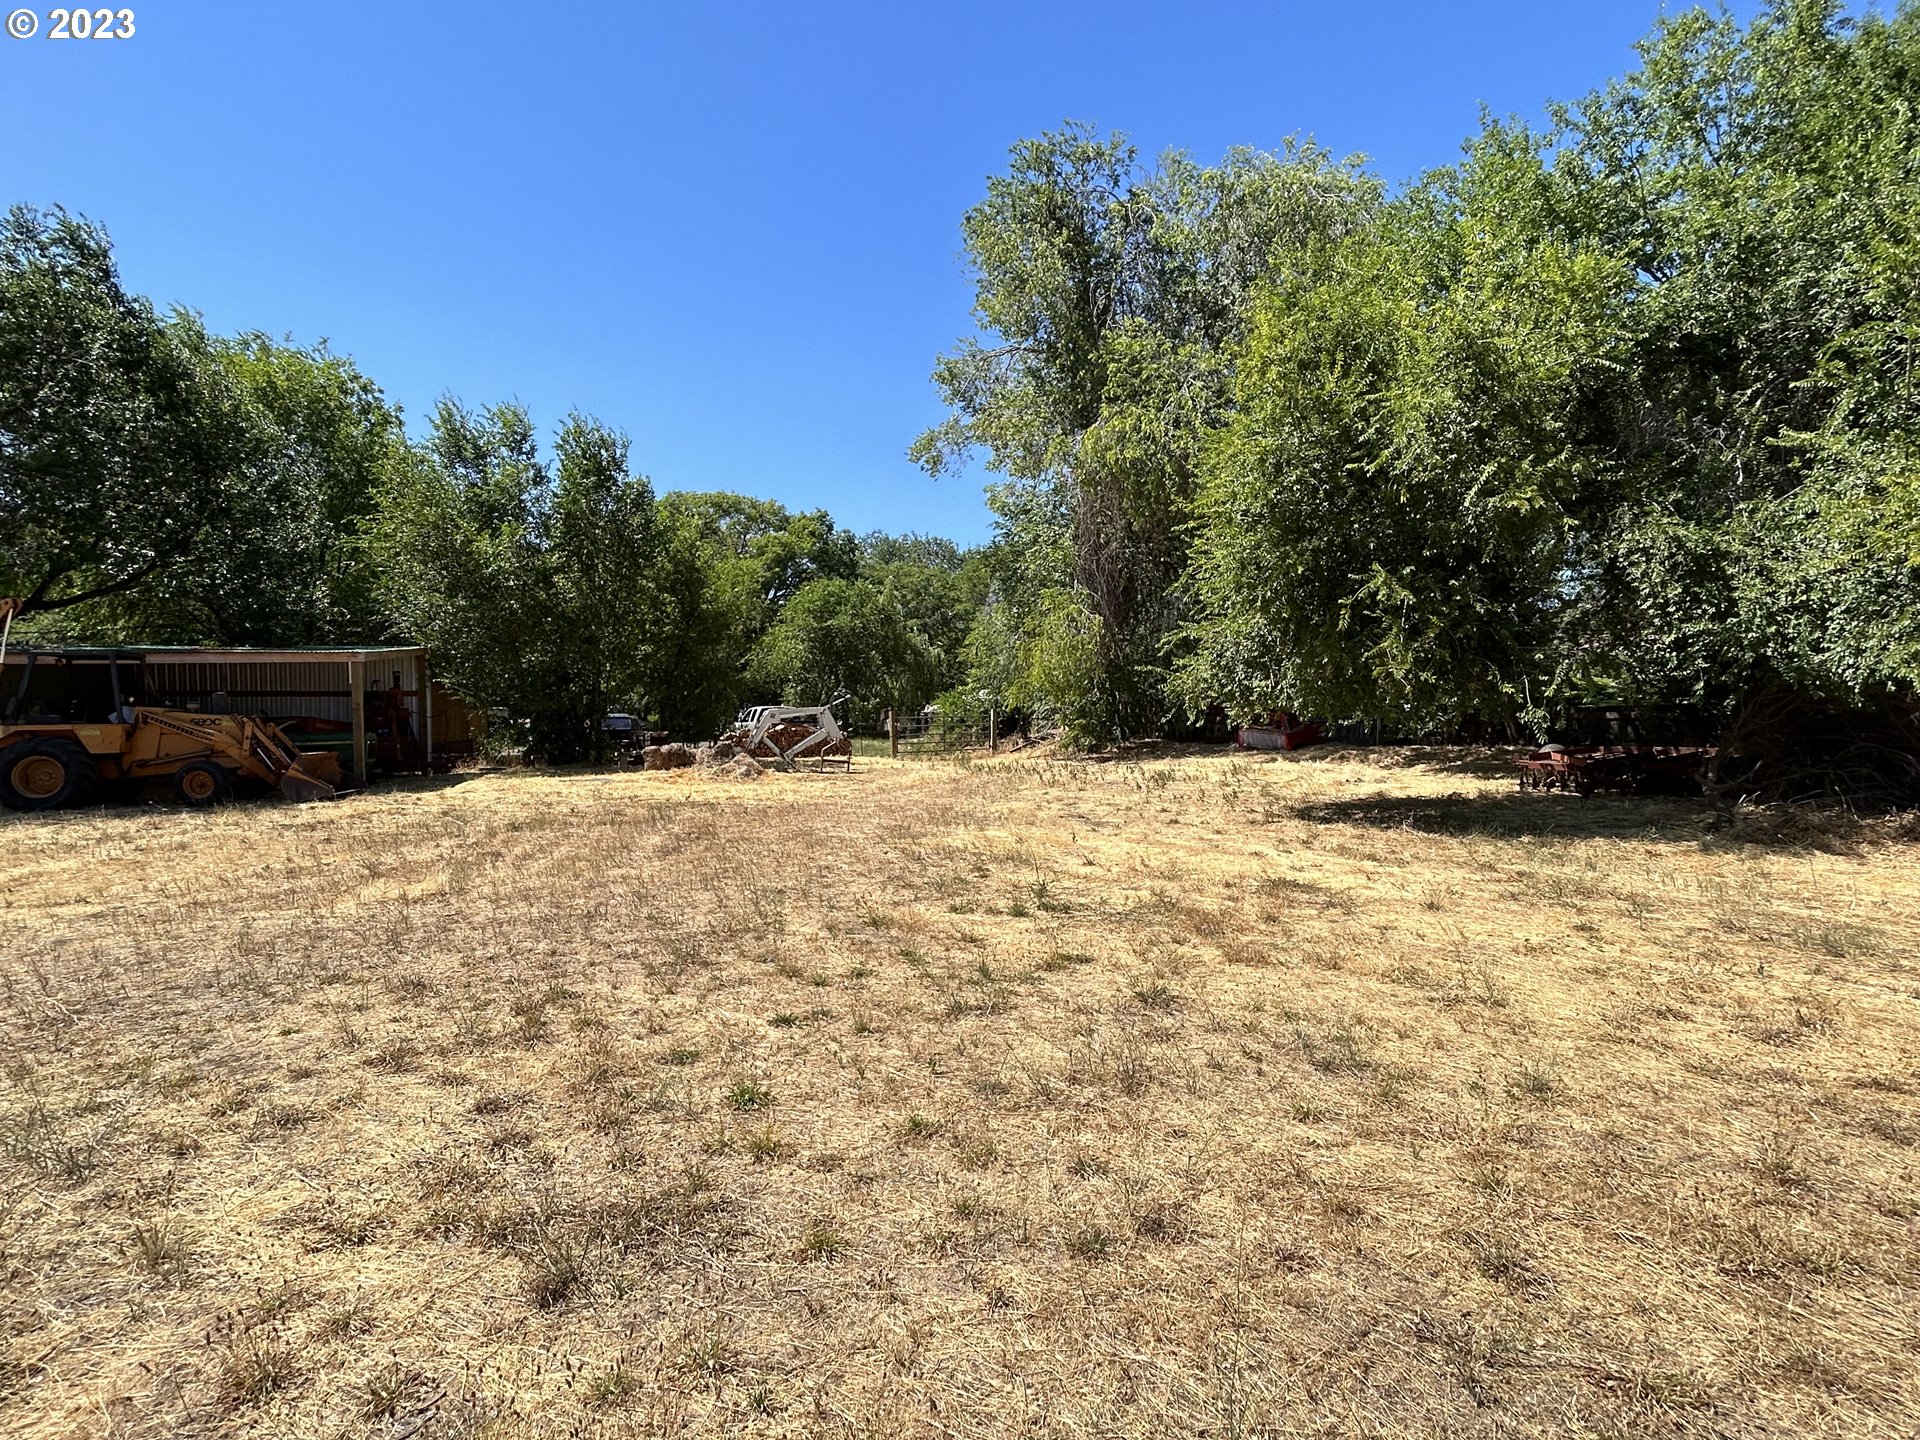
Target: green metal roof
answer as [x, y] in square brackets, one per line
[218, 655]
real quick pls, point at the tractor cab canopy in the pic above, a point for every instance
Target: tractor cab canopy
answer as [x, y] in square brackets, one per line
[69, 685]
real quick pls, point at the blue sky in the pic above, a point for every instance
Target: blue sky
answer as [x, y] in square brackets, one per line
[730, 230]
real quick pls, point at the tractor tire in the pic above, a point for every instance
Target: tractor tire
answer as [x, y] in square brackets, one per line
[202, 783]
[45, 774]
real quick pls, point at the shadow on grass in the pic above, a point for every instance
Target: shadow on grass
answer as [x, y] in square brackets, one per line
[1483, 762]
[1519, 816]
[1555, 816]
[122, 798]
[1480, 761]
[386, 784]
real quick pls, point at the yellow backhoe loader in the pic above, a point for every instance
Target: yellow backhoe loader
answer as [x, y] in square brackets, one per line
[47, 762]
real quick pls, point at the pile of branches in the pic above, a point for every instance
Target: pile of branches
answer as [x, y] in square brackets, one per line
[722, 755]
[784, 736]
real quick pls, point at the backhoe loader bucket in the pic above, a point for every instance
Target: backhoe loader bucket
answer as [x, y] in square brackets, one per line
[316, 777]
[298, 774]
[322, 765]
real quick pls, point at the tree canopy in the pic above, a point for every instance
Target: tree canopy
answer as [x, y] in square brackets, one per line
[121, 436]
[1618, 408]
[532, 586]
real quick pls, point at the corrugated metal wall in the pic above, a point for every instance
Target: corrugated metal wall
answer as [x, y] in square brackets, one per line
[279, 688]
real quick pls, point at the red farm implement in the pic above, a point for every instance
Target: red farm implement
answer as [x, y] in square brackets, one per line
[1626, 769]
[1283, 732]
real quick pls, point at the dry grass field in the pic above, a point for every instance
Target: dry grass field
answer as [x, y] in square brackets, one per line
[1339, 1094]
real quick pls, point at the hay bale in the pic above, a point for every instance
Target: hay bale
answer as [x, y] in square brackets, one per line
[667, 757]
[742, 767]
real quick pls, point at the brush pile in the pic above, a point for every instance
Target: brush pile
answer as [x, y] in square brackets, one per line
[669, 757]
[723, 756]
[778, 740]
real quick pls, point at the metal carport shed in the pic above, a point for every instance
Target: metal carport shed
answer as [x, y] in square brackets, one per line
[326, 684]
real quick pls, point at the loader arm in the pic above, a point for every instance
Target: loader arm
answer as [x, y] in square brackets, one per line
[282, 759]
[824, 736]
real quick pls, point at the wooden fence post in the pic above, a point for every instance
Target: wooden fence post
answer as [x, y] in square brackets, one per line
[893, 737]
[357, 710]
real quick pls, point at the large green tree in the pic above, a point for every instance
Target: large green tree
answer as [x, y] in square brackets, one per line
[847, 638]
[1389, 513]
[1110, 296]
[121, 435]
[313, 444]
[1621, 409]
[1763, 184]
[536, 588]
[326, 441]
[730, 564]
[937, 587]
[161, 483]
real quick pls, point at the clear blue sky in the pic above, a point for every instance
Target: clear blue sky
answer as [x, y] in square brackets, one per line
[730, 230]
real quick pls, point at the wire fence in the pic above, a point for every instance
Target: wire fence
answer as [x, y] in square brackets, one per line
[916, 735]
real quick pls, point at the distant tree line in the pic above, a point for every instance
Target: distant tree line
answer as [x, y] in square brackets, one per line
[161, 483]
[1620, 409]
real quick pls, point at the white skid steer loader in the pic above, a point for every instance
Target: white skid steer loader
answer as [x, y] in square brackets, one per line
[785, 734]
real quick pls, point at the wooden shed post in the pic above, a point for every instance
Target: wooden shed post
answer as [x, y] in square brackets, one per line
[426, 711]
[357, 708]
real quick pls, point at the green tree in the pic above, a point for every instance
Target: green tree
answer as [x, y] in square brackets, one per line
[1623, 409]
[1111, 297]
[601, 554]
[1387, 515]
[846, 637]
[120, 434]
[1761, 182]
[938, 587]
[730, 565]
[701, 644]
[320, 441]
[536, 591]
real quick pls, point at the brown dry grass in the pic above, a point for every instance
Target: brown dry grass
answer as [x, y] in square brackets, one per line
[1336, 1094]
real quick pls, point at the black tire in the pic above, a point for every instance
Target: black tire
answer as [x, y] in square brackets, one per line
[44, 774]
[202, 783]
